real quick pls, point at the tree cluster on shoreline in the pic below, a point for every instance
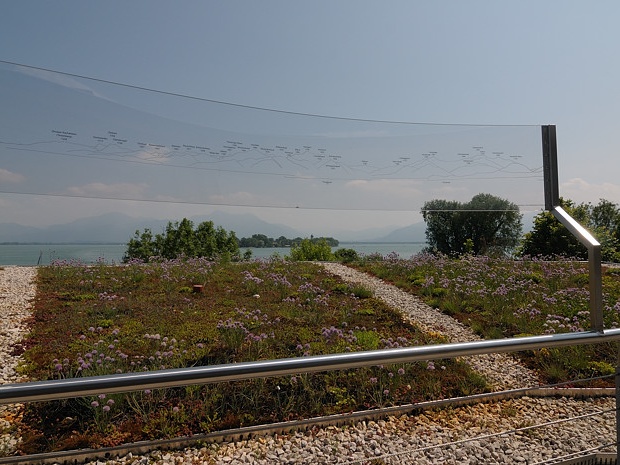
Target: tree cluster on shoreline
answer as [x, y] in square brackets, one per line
[182, 239]
[550, 237]
[486, 225]
[262, 241]
[210, 241]
[489, 225]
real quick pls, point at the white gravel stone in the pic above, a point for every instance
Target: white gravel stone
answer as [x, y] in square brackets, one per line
[17, 291]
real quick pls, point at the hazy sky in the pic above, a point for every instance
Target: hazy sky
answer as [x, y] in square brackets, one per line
[511, 65]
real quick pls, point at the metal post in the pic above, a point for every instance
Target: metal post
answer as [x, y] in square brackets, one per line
[594, 262]
[596, 287]
[552, 204]
[618, 402]
[550, 167]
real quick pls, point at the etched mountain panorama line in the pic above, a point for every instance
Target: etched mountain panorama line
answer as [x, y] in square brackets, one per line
[133, 145]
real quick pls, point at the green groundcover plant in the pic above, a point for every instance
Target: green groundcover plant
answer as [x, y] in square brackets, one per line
[101, 319]
[500, 297]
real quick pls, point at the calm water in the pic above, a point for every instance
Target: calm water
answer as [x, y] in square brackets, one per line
[44, 254]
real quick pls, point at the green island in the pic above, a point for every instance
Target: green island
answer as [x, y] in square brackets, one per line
[262, 241]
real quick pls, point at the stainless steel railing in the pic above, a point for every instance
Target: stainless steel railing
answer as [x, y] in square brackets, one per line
[76, 387]
[594, 264]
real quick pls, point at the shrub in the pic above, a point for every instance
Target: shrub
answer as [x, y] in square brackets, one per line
[182, 240]
[309, 250]
[346, 255]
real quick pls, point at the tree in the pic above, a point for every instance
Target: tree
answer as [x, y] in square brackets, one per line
[549, 237]
[494, 224]
[606, 215]
[485, 225]
[180, 239]
[445, 230]
[141, 246]
[346, 255]
[310, 249]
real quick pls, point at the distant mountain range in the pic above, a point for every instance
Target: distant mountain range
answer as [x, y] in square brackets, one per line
[119, 228]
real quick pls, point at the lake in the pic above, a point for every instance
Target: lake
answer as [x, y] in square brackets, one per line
[44, 254]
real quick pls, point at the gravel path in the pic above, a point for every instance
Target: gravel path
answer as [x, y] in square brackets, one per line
[486, 433]
[502, 370]
[17, 290]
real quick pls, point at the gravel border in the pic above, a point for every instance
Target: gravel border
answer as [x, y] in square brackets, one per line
[17, 292]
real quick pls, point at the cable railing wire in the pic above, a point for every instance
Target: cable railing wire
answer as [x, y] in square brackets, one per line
[471, 399]
[486, 436]
[230, 204]
[583, 453]
[251, 107]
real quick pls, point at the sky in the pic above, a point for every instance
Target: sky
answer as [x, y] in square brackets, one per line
[487, 73]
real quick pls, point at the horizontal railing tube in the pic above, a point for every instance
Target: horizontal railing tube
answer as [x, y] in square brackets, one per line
[125, 382]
